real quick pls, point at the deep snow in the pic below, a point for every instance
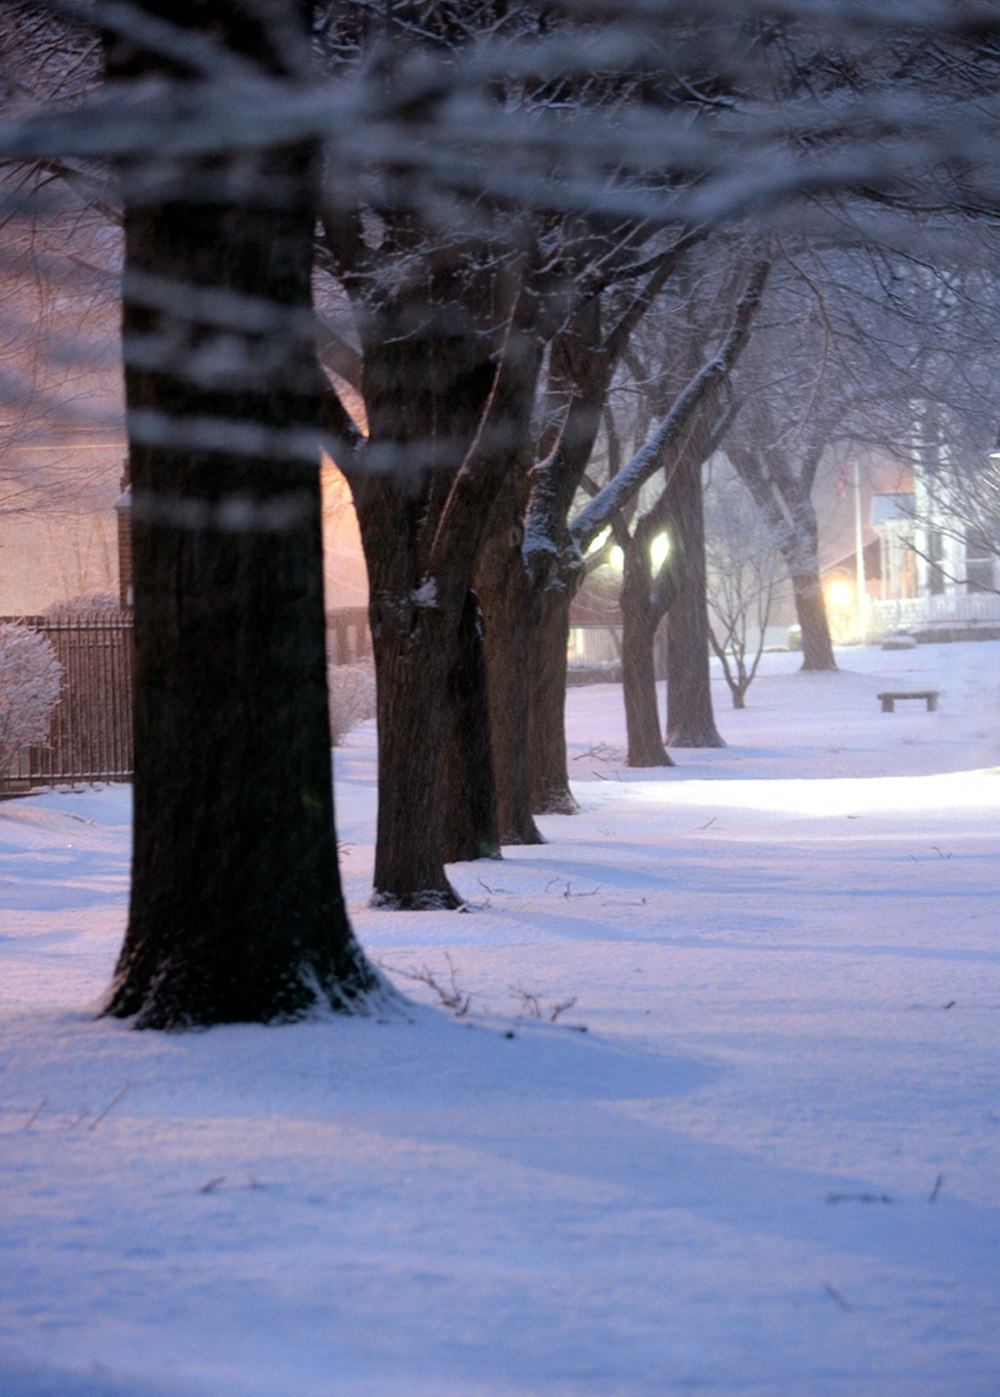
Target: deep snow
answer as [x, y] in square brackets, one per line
[770, 1165]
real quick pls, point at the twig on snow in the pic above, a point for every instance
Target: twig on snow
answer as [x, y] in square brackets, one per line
[835, 1295]
[34, 1115]
[450, 996]
[113, 1102]
[532, 1004]
[601, 751]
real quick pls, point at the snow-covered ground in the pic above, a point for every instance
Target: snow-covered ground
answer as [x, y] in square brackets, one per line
[770, 1165]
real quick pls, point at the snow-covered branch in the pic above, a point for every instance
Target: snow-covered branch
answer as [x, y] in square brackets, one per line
[649, 458]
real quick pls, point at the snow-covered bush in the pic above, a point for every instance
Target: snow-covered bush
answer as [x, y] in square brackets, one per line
[352, 698]
[30, 677]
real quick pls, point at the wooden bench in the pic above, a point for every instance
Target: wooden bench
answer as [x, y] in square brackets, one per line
[889, 700]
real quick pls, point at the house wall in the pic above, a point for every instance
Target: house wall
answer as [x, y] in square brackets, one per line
[48, 555]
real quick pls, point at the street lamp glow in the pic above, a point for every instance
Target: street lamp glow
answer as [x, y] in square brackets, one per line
[840, 595]
[659, 551]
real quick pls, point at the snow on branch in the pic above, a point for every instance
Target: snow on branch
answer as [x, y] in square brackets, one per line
[648, 459]
[439, 123]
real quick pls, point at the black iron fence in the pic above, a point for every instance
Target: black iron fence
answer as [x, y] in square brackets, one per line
[90, 731]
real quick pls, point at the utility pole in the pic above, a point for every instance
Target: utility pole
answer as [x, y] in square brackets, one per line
[859, 557]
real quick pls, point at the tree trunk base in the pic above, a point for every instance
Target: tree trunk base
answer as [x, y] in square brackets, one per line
[353, 987]
[424, 900]
[557, 801]
[643, 763]
[468, 853]
[683, 737]
[514, 838]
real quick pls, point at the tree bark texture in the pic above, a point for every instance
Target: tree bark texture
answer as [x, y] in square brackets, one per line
[415, 652]
[640, 619]
[425, 383]
[448, 402]
[801, 552]
[508, 608]
[807, 590]
[236, 910]
[642, 718]
[580, 367]
[810, 608]
[548, 760]
[690, 715]
[468, 789]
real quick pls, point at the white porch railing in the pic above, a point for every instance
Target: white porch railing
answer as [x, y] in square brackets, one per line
[959, 608]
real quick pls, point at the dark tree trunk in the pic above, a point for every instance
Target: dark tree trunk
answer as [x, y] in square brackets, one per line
[415, 651]
[690, 716]
[425, 379]
[236, 910]
[580, 368]
[549, 641]
[642, 719]
[468, 790]
[415, 645]
[640, 619]
[508, 608]
[448, 404]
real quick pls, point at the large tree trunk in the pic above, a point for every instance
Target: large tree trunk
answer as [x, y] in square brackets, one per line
[469, 828]
[426, 377]
[642, 719]
[549, 642]
[415, 636]
[810, 608]
[508, 609]
[448, 405]
[639, 624]
[690, 716]
[802, 556]
[415, 650]
[580, 368]
[236, 910]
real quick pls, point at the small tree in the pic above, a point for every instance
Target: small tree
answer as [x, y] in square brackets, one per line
[30, 679]
[744, 565]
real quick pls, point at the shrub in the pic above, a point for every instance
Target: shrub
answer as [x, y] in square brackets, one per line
[352, 698]
[30, 679]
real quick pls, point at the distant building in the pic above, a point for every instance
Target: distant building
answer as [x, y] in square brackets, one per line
[938, 565]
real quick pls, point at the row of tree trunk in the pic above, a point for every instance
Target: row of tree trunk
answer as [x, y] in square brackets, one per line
[236, 910]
